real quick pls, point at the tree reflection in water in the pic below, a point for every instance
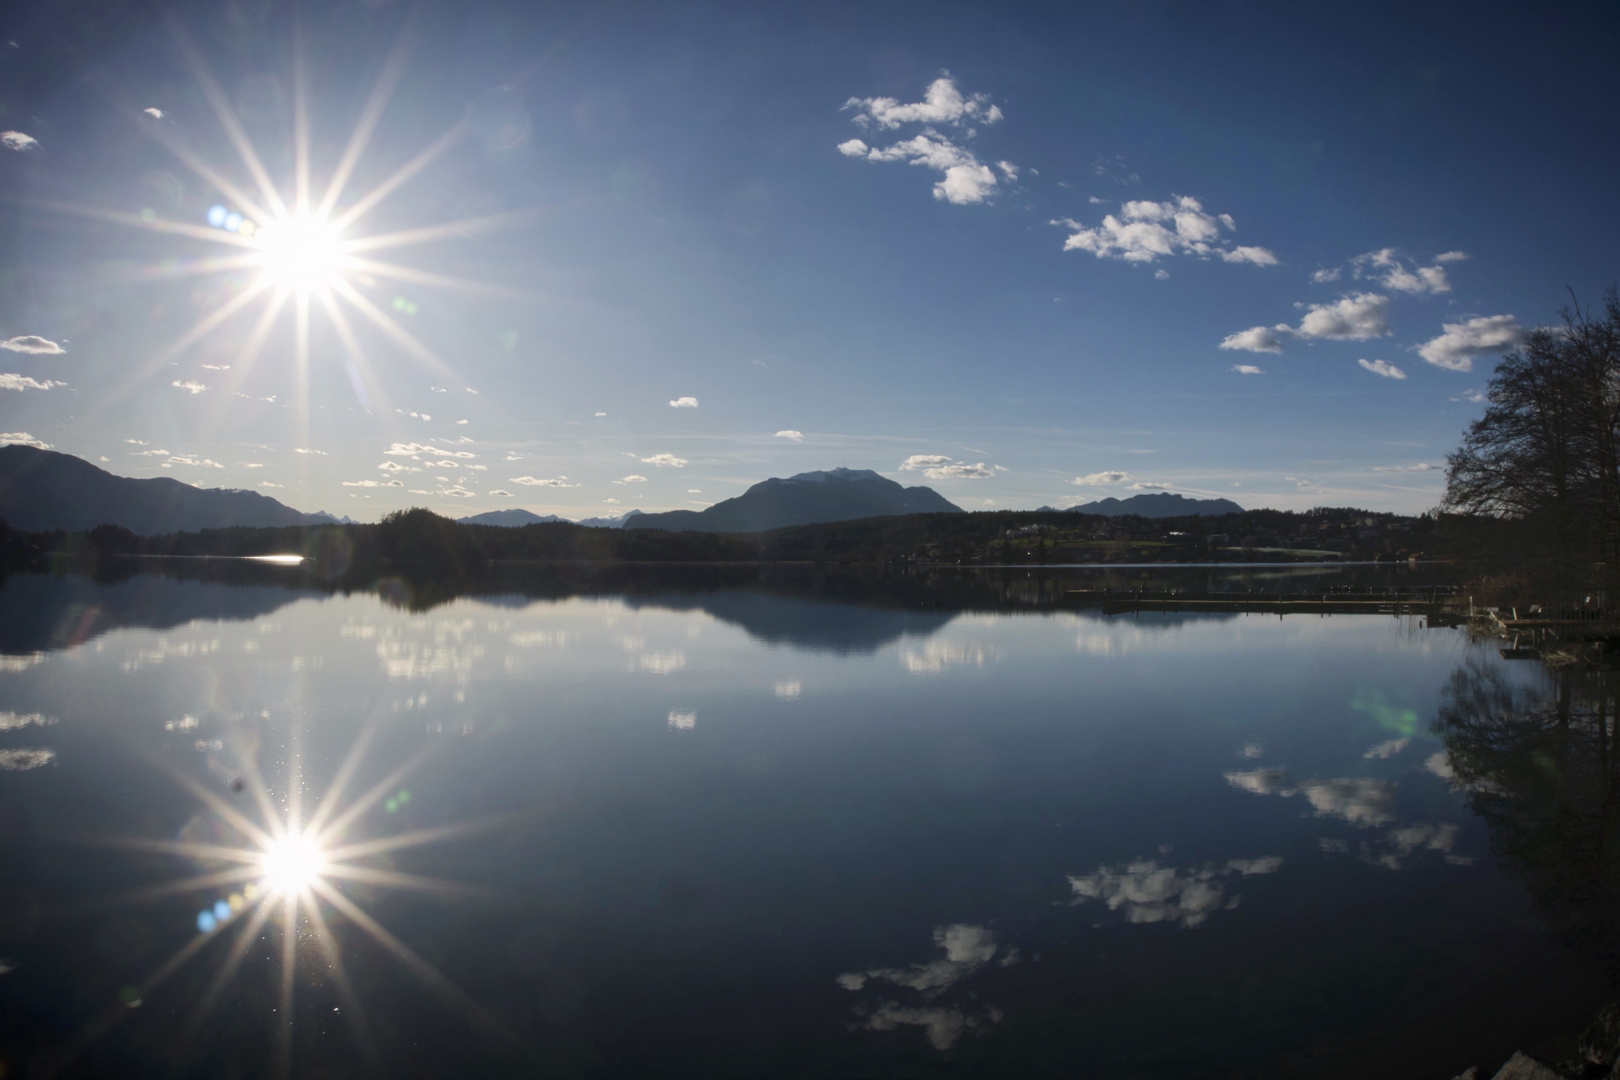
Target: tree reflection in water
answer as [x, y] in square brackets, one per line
[1540, 766]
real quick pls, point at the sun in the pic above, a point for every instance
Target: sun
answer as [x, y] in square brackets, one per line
[292, 863]
[301, 253]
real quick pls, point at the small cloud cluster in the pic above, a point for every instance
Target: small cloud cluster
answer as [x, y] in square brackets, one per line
[22, 438]
[1392, 272]
[1144, 231]
[1355, 317]
[684, 403]
[193, 461]
[1149, 893]
[374, 483]
[22, 382]
[965, 179]
[190, 387]
[32, 343]
[1360, 800]
[940, 467]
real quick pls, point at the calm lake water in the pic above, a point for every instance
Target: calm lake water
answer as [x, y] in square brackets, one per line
[735, 827]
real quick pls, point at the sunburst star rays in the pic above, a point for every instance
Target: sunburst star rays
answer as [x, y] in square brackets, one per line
[301, 245]
[286, 875]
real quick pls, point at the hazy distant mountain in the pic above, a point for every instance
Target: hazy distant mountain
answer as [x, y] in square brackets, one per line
[42, 490]
[805, 499]
[321, 517]
[1160, 504]
[609, 522]
[511, 519]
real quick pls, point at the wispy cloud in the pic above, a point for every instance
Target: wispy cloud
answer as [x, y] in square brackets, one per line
[31, 343]
[16, 140]
[1101, 479]
[23, 382]
[1422, 466]
[965, 179]
[789, 433]
[268, 484]
[189, 386]
[307, 450]
[1145, 231]
[1383, 367]
[193, 461]
[631, 479]
[1248, 369]
[22, 438]
[1472, 394]
[538, 481]
[663, 461]
[1392, 272]
[374, 483]
[684, 403]
[1456, 348]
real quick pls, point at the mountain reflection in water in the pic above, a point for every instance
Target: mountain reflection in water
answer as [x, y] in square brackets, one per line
[767, 821]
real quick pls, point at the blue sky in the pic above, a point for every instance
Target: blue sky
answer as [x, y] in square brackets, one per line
[1025, 255]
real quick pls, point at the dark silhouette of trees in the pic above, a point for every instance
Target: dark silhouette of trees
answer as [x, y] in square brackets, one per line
[1541, 766]
[1547, 451]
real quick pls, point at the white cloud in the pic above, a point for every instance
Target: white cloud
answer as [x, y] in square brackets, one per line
[1387, 749]
[615, 502]
[23, 382]
[631, 479]
[10, 721]
[1256, 339]
[942, 103]
[396, 467]
[601, 414]
[1472, 394]
[268, 484]
[1383, 367]
[1323, 276]
[1248, 369]
[410, 449]
[1456, 348]
[192, 460]
[136, 442]
[1145, 231]
[789, 433]
[26, 758]
[154, 113]
[1259, 256]
[461, 421]
[215, 367]
[250, 464]
[1392, 272]
[1422, 466]
[550, 482]
[684, 403]
[502, 493]
[447, 464]
[32, 343]
[1361, 800]
[665, 461]
[307, 450]
[458, 492]
[374, 483]
[1145, 486]
[1451, 256]
[189, 387]
[1355, 317]
[16, 140]
[966, 180]
[940, 467]
[1161, 275]
[1101, 479]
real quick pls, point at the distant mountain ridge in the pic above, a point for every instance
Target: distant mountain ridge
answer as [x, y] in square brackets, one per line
[807, 498]
[510, 519]
[1158, 504]
[41, 490]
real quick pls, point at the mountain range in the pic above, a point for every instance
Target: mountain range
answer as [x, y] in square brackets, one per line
[41, 490]
[805, 499]
[1159, 504]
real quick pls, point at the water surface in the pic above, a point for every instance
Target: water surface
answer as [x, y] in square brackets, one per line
[748, 828]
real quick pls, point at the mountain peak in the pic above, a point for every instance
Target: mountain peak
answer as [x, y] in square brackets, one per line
[806, 498]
